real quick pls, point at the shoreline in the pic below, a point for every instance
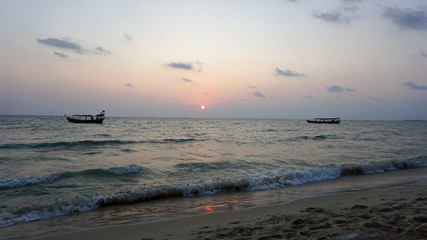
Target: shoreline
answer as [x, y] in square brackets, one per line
[397, 213]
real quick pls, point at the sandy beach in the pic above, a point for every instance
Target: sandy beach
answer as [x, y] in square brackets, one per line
[399, 213]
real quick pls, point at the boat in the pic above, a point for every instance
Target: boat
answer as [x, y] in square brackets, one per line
[325, 120]
[78, 118]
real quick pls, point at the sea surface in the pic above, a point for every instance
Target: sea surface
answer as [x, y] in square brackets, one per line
[57, 176]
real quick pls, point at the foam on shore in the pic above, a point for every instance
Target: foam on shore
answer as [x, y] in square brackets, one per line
[395, 213]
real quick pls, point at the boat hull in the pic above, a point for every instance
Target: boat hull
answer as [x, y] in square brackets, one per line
[324, 122]
[73, 120]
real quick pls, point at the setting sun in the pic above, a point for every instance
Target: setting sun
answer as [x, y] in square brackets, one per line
[202, 107]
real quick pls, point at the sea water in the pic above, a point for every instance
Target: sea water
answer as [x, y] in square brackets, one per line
[142, 169]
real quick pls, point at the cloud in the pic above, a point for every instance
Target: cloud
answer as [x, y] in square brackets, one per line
[195, 66]
[128, 37]
[407, 18]
[186, 66]
[251, 86]
[352, 1]
[259, 94]
[343, 14]
[63, 44]
[234, 101]
[128, 85]
[333, 16]
[336, 88]
[61, 55]
[308, 97]
[101, 51]
[67, 44]
[375, 99]
[422, 53]
[413, 86]
[187, 80]
[287, 73]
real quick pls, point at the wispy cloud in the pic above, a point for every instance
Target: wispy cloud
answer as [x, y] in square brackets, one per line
[101, 51]
[407, 18]
[251, 86]
[422, 53]
[186, 66]
[128, 37]
[342, 15]
[61, 55]
[287, 73]
[413, 86]
[308, 97]
[187, 80]
[195, 66]
[66, 44]
[333, 16]
[234, 101]
[352, 1]
[128, 85]
[63, 44]
[259, 94]
[336, 88]
[375, 98]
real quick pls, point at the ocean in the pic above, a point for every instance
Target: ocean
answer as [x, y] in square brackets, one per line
[57, 176]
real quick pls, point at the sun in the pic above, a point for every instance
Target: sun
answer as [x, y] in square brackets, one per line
[203, 107]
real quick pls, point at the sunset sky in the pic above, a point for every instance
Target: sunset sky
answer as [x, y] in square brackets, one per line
[285, 59]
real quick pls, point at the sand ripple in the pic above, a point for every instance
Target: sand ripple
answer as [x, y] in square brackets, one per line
[401, 218]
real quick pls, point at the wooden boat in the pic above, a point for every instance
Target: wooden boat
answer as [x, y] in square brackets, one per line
[325, 120]
[77, 118]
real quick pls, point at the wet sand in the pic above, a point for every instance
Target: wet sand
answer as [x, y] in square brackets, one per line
[399, 213]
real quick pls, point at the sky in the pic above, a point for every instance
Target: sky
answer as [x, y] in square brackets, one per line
[278, 59]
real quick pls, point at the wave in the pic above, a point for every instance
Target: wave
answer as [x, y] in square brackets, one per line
[7, 183]
[317, 137]
[134, 168]
[80, 204]
[28, 180]
[90, 143]
[274, 176]
[253, 180]
[70, 144]
[179, 140]
[383, 166]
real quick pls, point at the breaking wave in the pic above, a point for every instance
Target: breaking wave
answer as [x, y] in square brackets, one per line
[252, 180]
[383, 166]
[90, 143]
[7, 183]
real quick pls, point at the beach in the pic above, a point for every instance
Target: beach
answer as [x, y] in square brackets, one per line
[395, 213]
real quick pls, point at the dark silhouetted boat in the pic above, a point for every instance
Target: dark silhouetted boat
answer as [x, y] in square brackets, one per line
[325, 120]
[76, 118]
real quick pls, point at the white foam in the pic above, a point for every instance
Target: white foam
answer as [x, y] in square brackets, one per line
[23, 181]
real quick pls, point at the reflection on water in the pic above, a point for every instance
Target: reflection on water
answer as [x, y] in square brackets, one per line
[208, 209]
